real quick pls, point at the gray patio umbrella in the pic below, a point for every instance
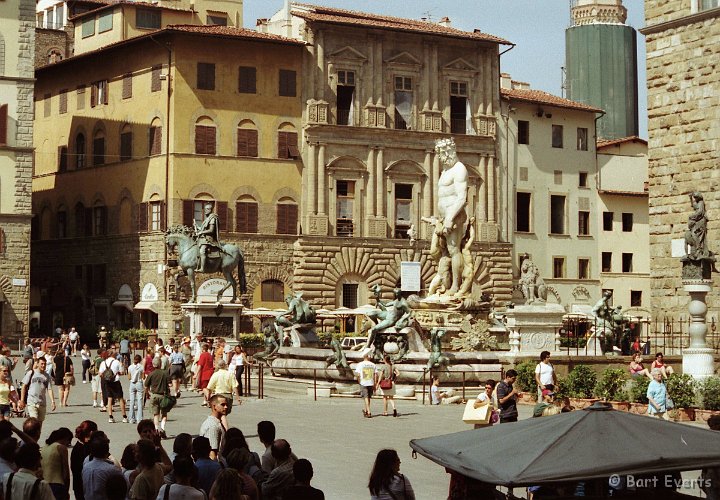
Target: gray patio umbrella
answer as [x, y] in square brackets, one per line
[585, 444]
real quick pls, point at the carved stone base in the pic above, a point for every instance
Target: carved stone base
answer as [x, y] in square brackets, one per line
[302, 336]
[317, 225]
[537, 326]
[377, 227]
[697, 269]
[488, 232]
[698, 362]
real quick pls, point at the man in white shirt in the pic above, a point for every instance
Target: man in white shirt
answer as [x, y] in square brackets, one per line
[212, 428]
[74, 337]
[113, 385]
[545, 374]
[366, 376]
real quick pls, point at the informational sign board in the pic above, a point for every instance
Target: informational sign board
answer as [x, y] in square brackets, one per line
[677, 247]
[149, 293]
[207, 292]
[410, 276]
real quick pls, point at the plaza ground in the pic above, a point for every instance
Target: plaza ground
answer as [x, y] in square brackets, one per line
[330, 432]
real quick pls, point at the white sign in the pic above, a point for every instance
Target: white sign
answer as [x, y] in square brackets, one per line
[149, 293]
[207, 292]
[19, 282]
[677, 247]
[125, 293]
[410, 276]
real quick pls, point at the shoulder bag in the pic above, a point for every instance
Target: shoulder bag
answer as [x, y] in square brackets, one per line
[69, 376]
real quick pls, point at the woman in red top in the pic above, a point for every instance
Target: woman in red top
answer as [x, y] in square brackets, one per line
[205, 369]
[659, 364]
[148, 366]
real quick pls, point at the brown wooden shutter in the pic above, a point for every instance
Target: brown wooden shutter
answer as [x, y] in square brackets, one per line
[62, 159]
[287, 217]
[93, 94]
[222, 210]
[252, 143]
[200, 142]
[246, 214]
[247, 77]
[79, 221]
[63, 101]
[187, 215]
[280, 223]
[142, 218]
[242, 142]
[106, 85]
[155, 82]
[252, 217]
[155, 147]
[292, 146]
[127, 86]
[210, 140]
[163, 216]
[292, 219]
[3, 124]
[103, 220]
[282, 145]
[126, 146]
[88, 221]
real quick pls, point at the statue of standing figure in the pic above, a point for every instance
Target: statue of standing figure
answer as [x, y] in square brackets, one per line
[452, 229]
[695, 236]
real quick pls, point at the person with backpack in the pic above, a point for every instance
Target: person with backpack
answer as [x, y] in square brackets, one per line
[185, 472]
[110, 371]
[25, 483]
[207, 469]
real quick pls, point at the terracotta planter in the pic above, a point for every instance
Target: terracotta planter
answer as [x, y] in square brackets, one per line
[682, 414]
[620, 405]
[704, 415]
[580, 403]
[526, 398]
[639, 408]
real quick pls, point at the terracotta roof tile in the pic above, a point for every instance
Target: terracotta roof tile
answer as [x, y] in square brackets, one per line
[350, 17]
[603, 143]
[231, 32]
[540, 97]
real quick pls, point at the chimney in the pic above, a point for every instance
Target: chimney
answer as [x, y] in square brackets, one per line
[445, 21]
[261, 25]
[288, 20]
[505, 81]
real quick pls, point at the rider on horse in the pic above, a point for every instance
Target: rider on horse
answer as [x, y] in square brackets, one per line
[207, 236]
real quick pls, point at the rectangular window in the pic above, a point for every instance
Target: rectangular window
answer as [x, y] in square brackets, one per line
[557, 177]
[403, 102]
[287, 145]
[205, 143]
[557, 214]
[627, 262]
[88, 26]
[247, 142]
[127, 86]
[80, 97]
[344, 208]
[558, 267]
[582, 139]
[627, 222]
[635, 298]
[59, 17]
[583, 223]
[287, 83]
[3, 124]
[62, 109]
[607, 221]
[47, 103]
[350, 295]
[148, 18]
[709, 4]
[155, 81]
[126, 140]
[99, 221]
[62, 224]
[523, 132]
[105, 21]
[459, 108]
[246, 217]
[557, 136]
[216, 20]
[156, 216]
[606, 265]
[99, 151]
[522, 212]
[247, 80]
[345, 97]
[403, 209]
[198, 213]
[583, 269]
[99, 93]
[583, 180]
[272, 291]
[205, 76]
[62, 159]
[287, 218]
[155, 141]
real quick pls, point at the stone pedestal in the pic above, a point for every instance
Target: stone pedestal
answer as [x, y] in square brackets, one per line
[302, 335]
[698, 358]
[536, 325]
[196, 312]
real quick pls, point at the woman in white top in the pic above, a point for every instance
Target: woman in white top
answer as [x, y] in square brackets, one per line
[86, 358]
[136, 374]
[237, 366]
[486, 398]
[386, 482]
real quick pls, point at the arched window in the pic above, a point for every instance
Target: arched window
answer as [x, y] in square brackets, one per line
[81, 228]
[45, 219]
[155, 141]
[54, 55]
[287, 216]
[126, 142]
[99, 220]
[288, 142]
[205, 136]
[246, 215]
[272, 291]
[80, 150]
[247, 139]
[99, 148]
[62, 229]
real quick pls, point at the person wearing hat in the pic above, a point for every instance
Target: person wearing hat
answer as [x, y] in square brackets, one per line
[548, 400]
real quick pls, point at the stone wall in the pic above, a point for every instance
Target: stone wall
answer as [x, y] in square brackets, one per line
[47, 39]
[684, 138]
[15, 276]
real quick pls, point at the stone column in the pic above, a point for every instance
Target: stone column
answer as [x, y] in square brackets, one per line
[697, 359]
[380, 184]
[435, 178]
[311, 179]
[482, 192]
[491, 189]
[322, 195]
[370, 197]
[427, 209]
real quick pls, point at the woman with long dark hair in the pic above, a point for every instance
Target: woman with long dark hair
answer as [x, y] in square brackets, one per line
[79, 452]
[55, 465]
[238, 360]
[386, 482]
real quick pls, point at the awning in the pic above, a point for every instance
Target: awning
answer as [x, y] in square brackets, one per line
[148, 306]
[127, 304]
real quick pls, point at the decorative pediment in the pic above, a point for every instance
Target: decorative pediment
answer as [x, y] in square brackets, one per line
[473, 172]
[403, 59]
[348, 53]
[347, 164]
[460, 64]
[404, 167]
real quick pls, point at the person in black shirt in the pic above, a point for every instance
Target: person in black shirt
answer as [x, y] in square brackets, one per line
[507, 398]
[303, 472]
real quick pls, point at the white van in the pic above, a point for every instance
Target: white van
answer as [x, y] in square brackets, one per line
[350, 342]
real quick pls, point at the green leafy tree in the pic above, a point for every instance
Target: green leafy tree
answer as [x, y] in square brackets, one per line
[580, 382]
[709, 393]
[682, 390]
[611, 385]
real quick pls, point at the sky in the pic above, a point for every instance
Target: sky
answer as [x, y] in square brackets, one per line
[537, 27]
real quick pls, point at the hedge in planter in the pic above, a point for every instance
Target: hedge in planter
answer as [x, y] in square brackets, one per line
[611, 385]
[580, 382]
[709, 393]
[681, 389]
[526, 378]
[638, 390]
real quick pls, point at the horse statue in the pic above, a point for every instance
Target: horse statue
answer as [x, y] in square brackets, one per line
[180, 239]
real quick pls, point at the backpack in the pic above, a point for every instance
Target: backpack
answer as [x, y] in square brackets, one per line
[108, 375]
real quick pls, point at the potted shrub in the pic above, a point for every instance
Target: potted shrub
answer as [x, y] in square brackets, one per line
[579, 385]
[526, 382]
[681, 389]
[709, 395]
[638, 395]
[611, 388]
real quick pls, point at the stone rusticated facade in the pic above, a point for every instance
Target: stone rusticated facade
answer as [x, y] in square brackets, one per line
[46, 40]
[683, 47]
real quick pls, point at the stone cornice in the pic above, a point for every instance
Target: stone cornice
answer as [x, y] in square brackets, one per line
[17, 79]
[17, 149]
[20, 217]
[682, 21]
